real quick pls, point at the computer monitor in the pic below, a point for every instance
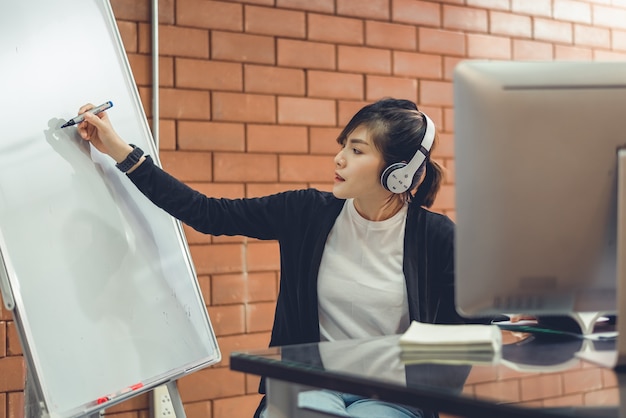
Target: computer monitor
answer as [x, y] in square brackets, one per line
[536, 160]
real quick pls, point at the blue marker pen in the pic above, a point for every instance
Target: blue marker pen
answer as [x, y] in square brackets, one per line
[95, 111]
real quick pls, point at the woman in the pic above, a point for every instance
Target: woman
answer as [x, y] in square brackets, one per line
[362, 261]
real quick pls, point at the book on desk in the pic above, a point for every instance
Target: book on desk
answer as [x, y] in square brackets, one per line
[450, 343]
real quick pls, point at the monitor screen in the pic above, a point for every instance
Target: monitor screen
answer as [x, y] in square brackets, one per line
[536, 185]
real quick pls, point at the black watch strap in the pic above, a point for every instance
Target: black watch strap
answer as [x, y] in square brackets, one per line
[131, 159]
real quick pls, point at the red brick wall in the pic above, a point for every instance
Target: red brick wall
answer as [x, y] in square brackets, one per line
[253, 94]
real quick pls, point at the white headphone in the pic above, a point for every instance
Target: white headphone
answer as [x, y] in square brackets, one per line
[398, 177]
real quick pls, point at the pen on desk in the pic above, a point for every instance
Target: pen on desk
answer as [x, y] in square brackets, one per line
[95, 111]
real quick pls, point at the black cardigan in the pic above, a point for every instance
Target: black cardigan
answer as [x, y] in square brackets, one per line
[300, 221]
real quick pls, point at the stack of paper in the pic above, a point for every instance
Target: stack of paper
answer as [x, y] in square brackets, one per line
[454, 344]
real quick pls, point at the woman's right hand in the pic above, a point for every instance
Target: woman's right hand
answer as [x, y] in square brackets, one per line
[98, 130]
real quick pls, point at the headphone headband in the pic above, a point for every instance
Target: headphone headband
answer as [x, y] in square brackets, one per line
[398, 177]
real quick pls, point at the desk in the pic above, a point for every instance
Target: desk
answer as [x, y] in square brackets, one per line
[535, 377]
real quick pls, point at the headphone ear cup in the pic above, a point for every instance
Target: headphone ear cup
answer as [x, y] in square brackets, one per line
[393, 180]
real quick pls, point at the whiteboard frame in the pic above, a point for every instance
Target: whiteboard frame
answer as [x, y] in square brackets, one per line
[10, 284]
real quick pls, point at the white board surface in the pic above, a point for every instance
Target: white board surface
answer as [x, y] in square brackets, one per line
[104, 289]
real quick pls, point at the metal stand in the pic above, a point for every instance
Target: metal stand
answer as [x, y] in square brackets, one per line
[32, 408]
[179, 411]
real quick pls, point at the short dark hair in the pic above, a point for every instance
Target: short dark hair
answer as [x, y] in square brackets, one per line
[397, 129]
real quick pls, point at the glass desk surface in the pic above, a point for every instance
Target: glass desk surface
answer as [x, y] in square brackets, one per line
[534, 375]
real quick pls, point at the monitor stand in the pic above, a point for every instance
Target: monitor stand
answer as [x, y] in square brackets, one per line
[587, 320]
[616, 359]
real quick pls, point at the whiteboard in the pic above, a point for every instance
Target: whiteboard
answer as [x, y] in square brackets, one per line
[104, 291]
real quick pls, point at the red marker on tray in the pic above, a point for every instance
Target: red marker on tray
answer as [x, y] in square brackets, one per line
[107, 398]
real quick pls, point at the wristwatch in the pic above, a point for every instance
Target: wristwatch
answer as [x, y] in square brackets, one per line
[130, 160]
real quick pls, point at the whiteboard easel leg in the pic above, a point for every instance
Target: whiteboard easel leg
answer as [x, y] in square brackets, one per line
[33, 408]
[30, 400]
[177, 403]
